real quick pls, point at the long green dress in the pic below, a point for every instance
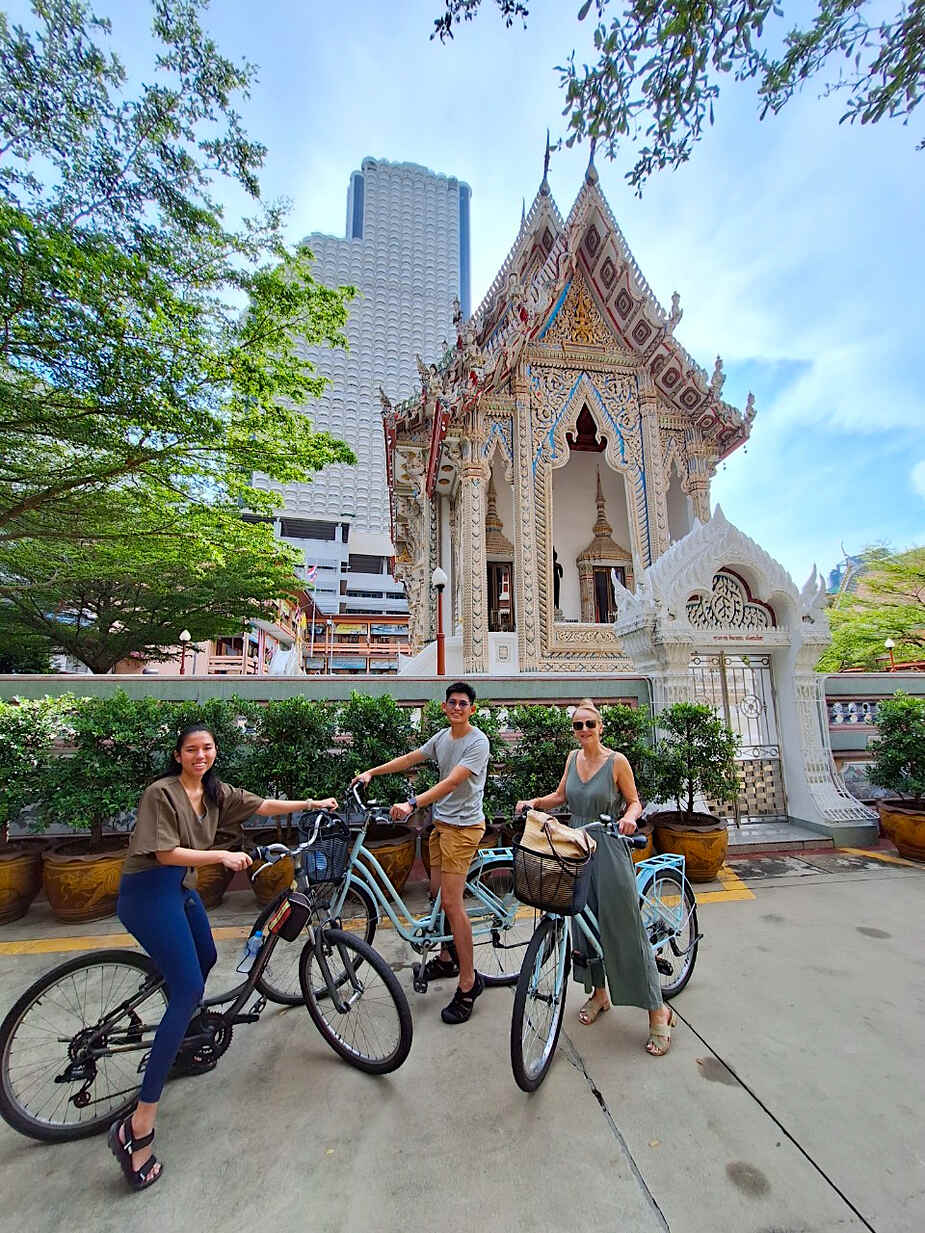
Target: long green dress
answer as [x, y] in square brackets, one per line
[628, 962]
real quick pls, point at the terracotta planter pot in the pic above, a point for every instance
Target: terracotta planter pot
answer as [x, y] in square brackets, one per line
[276, 879]
[20, 881]
[393, 847]
[906, 828]
[703, 846]
[82, 885]
[641, 854]
[211, 882]
[488, 840]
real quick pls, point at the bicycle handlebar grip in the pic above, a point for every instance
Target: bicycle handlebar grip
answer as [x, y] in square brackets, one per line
[637, 841]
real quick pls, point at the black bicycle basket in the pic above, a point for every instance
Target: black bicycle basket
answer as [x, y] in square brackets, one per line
[326, 860]
[551, 882]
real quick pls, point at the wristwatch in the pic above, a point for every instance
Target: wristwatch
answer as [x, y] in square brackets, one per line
[413, 801]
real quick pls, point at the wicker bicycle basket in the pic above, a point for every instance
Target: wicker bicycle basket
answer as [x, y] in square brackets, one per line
[551, 882]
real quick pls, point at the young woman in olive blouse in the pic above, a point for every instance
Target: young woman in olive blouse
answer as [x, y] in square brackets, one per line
[178, 816]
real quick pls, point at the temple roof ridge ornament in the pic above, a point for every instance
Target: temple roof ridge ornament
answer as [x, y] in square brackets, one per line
[543, 203]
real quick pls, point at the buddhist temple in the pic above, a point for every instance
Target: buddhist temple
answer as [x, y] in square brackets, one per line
[556, 450]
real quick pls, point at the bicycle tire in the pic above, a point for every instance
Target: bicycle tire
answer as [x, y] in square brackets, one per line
[551, 935]
[683, 949]
[508, 946]
[334, 948]
[14, 1112]
[279, 980]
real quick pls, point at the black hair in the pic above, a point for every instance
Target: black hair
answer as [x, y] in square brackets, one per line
[461, 687]
[211, 784]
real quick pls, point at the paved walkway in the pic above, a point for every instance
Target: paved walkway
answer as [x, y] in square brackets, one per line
[792, 1098]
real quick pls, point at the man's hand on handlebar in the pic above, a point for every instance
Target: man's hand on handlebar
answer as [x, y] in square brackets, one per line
[363, 777]
[235, 861]
[401, 812]
[328, 804]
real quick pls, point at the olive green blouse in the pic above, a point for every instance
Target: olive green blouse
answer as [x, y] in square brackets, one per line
[166, 820]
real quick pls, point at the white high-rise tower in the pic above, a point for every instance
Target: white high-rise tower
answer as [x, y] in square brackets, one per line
[406, 250]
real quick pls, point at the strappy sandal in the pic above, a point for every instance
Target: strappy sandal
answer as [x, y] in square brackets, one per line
[437, 968]
[659, 1041]
[460, 1008]
[590, 1011]
[140, 1178]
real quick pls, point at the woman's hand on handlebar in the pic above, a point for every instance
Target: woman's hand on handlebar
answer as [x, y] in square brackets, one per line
[363, 778]
[627, 826]
[522, 807]
[235, 861]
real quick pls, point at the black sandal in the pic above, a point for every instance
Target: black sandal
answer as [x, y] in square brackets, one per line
[459, 1010]
[436, 968]
[140, 1178]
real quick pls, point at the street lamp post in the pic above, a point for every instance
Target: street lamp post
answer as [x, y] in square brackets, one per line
[185, 638]
[329, 642]
[438, 581]
[889, 644]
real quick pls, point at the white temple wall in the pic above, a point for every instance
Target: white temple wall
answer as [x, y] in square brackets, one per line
[680, 510]
[574, 513]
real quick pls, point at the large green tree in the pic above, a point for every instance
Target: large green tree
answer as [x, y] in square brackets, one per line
[660, 64]
[888, 603]
[102, 600]
[146, 343]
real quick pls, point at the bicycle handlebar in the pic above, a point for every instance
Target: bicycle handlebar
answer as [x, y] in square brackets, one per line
[610, 825]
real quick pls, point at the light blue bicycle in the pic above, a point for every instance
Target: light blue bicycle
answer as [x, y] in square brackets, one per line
[346, 884]
[669, 915]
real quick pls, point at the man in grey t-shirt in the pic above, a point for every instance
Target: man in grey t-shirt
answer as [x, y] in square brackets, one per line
[461, 754]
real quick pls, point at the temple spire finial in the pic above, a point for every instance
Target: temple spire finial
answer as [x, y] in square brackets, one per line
[544, 183]
[591, 174]
[523, 210]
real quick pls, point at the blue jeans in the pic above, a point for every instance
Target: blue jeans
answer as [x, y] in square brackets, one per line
[171, 924]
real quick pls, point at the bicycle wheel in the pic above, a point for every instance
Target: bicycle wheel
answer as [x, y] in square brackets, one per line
[51, 1086]
[669, 911]
[499, 955]
[279, 980]
[373, 1030]
[539, 1003]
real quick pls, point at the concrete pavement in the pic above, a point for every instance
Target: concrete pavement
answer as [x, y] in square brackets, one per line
[792, 1098]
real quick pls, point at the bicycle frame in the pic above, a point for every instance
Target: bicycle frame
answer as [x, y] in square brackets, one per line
[587, 923]
[429, 930]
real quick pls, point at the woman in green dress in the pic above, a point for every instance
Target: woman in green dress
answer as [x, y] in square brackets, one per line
[598, 780]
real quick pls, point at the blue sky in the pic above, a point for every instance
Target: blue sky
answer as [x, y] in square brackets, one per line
[795, 244]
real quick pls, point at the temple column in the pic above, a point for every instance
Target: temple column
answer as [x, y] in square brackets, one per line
[473, 484]
[526, 555]
[656, 497]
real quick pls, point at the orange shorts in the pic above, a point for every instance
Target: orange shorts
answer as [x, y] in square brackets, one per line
[453, 847]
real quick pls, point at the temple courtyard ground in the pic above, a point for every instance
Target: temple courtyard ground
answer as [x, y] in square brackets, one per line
[793, 1098]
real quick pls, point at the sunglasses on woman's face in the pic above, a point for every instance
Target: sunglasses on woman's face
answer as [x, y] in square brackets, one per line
[578, 724]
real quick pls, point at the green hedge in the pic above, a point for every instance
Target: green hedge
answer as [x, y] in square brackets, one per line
[84, 762]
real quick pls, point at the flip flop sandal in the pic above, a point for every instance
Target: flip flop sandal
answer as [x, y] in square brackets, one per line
[590, 1011]
[659, 1041]
[140, 1178]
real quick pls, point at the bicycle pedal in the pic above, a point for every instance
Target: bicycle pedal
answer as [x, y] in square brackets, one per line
[259, 1007]
[249, 1018]
[418, 980]
[663, 966]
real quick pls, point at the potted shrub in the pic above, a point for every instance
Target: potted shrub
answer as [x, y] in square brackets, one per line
[899, 766]
[292, 755]
[26, 737]
[114, 747]
[373, 730]
[531, 765]
[694, 757]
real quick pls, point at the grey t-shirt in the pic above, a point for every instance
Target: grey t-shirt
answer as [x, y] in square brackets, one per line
[462, 806]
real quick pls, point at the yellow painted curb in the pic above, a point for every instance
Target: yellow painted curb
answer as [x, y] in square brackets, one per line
[882, 856]
[734, 889]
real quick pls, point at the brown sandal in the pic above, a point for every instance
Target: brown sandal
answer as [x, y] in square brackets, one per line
[659, 1041]
[590, 1011]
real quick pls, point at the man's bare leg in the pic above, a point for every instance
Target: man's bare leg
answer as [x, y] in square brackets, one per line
[452, 886]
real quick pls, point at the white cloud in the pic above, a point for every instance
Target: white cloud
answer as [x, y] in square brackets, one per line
[917, 475]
